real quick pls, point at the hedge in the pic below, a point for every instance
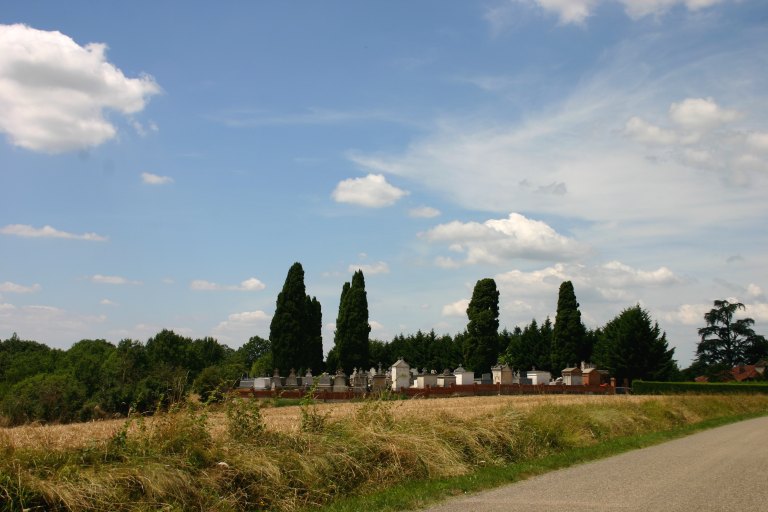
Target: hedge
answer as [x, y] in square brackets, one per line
[640, 387]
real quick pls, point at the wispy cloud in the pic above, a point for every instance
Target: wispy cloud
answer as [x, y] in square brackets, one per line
[251, 284]
[114, 280]
[27, 231]
[247, 117]
[154, 179]
[424, 212]
[9, 287]
[371, 269]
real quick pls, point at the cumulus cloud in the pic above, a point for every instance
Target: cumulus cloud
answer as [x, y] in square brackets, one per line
[372, 191]
[54, 92]
[611, 281]
[27, 231]
[375, 268]
[424, 212]
[645, 132]
[107, 302]
[154, 179]
[115, 280]
[10, 287]
[700, 114]
[498, 240]
[458, 308]
[758, 140]
[239, 327]
[250, 284]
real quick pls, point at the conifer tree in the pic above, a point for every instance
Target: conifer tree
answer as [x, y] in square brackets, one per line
[314, 349]
[288, 331]
[632, 347]
[569, 340]
[351, 348]
[481, 350]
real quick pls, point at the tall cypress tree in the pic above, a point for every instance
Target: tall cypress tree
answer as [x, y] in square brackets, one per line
[288, 329]
[313, 357]
[481, 349]
[351, 348]
[569, 337]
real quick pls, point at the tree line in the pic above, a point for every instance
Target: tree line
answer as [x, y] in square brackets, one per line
[96, 379]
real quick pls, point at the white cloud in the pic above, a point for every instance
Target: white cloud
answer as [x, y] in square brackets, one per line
[498, 240]
[107, 302]
[612, 281]
[758, 140]
[51, 325]
[569, 11]
[250, 284]
[53, 92]
[754, 291]
[576, 12]
[26, 231]
[424, 212]
[376, 268]
[154, 179]
[645, 132]
[238, 327]
[116, 280]
[688, 314]
[458, 308]
[372, 191]
[640, 8]
[701, 114]
[10, 287]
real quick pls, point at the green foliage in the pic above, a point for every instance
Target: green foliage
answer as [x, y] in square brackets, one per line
[45, 397]
[481, 349]
[312, 420]
[640, 387]
[252, 350]
[296, 326]
[570, 343]
[729, 342]
[352, 327]
[215, 381]
[632, 347]
[244, 421]
[530, 347]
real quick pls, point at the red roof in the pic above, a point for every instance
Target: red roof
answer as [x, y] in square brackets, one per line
[745, 372]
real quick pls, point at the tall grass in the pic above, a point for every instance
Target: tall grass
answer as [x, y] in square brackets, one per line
[195, 458]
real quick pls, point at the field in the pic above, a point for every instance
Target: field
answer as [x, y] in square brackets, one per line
[240, 456]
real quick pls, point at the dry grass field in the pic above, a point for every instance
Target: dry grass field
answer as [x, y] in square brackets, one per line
[288, 419]
[236, 456]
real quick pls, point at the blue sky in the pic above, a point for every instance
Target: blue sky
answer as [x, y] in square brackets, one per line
[163, 165]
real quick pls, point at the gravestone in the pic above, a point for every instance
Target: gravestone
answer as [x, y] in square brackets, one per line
[340, 382]
[291, 381]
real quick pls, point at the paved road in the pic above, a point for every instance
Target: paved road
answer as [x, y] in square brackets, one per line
[720, 469]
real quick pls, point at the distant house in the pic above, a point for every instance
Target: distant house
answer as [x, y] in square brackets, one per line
[746, 372]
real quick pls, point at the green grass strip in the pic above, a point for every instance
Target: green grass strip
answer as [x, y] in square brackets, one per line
[420, 493]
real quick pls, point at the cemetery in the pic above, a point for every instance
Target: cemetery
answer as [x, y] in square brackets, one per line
[401, 379]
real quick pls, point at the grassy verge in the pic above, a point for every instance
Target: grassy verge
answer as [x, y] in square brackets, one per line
[194, 458]
[421, 493]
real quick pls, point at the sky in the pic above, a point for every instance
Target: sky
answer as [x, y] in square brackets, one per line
[163, 164]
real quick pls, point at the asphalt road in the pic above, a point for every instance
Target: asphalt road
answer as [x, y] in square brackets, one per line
[720, 469]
